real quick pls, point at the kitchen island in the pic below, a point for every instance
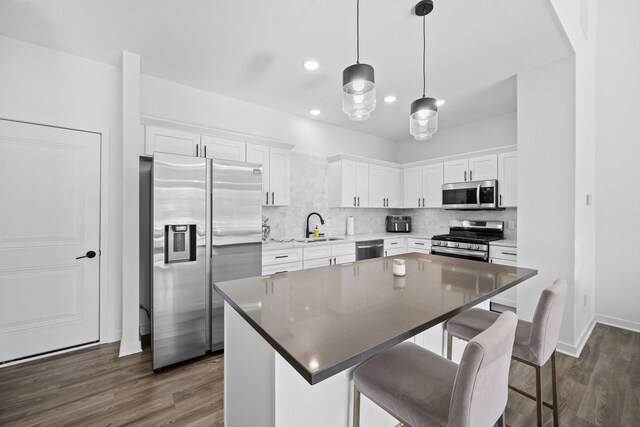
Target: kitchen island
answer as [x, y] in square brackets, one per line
[292, 340]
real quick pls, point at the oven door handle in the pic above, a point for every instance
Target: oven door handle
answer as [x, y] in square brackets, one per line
[371, 246]
[464, 252]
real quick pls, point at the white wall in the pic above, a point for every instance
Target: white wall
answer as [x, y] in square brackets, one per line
[169, 100]
[493, 132]
[546, 184]
[618, 156]
[50, 87]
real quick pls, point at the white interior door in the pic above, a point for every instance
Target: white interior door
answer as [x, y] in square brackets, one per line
[49, 216]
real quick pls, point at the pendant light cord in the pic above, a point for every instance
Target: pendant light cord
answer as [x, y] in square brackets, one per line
[424, 56]
[357, 31]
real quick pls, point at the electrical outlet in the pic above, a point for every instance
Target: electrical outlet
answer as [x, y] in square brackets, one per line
[511, 225]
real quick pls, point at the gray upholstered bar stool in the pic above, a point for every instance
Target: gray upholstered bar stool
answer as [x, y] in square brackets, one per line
[420, 388]
[534, 344]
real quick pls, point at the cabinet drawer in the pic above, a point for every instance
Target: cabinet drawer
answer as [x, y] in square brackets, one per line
[280, 256]
[503, 252]
[419, 244]
[344, 249]
[395, 251]
[281, 268]
[394, 243]
[315, 252]
[317, 262]
[343, 259]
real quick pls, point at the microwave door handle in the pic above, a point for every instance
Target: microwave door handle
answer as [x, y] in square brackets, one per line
[478, 194]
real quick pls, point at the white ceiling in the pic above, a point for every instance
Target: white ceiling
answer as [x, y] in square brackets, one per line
[253, 50]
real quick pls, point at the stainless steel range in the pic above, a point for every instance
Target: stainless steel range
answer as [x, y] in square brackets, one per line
[468, 239]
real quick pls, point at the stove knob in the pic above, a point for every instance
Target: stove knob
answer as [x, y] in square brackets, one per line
[457, 245]
[475, 247]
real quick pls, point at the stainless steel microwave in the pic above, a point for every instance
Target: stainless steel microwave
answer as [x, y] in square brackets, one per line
[472, 195]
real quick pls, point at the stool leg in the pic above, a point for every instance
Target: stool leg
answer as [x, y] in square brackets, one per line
[501, 421]
[554, 385]
[539, 395]
[356, 407]
[449, 345]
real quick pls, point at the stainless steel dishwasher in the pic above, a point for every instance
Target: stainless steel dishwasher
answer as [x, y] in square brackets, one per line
[369, 249]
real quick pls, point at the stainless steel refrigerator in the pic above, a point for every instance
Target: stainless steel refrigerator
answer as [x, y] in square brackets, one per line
[207, 227]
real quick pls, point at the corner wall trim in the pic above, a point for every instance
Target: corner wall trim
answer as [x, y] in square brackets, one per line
[618, 323]
[127, 348]
[575, 350]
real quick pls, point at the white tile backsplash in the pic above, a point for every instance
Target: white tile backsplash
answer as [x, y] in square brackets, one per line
[310, 193]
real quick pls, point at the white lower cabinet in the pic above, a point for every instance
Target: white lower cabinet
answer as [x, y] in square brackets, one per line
[281, 260]
[504, 255]
[422, 246]
[395, 246]
[324, 255]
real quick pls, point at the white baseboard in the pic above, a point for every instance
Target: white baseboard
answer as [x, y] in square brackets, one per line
[575, 350]
[618, 323]
[127, 348]
[53, 353]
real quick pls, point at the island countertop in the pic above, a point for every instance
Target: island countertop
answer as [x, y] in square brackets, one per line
[327, 319]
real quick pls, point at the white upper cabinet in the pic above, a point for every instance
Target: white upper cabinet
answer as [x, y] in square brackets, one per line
[225, 149]
[384, 187]
[171, 141]
[412, 196]
[478, 168]
[508, 179]
[276, 173]
[432, 180]
[348, 184]
[392, 185]
[483, 167]
[423, 186]
[456, 170]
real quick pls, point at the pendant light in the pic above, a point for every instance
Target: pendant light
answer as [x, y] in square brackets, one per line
[423, 122]
[358, 83]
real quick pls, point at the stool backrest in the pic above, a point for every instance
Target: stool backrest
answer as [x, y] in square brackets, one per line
[545, 327]
[481, 386]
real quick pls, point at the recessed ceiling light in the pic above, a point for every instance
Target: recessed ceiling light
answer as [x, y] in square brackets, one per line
[311, 64]
[315, 112]
[439, 102]
[389, 99]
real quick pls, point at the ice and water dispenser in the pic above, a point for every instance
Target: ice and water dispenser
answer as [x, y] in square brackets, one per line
[180, 243]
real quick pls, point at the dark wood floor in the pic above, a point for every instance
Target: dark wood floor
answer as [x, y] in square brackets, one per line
[93, 387]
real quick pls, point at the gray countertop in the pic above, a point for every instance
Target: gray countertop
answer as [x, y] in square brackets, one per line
[510, 243]
[272, 245]
[327, 319]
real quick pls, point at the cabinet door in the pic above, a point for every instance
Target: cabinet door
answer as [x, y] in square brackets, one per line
[280, 176]
[392, 185]
[362, 184]
[225, 149]
[483, 167]
[508, 179]
[412, 187]
[456, 171]
[432, 180]
[348, 183]
[377, 195]
[171, 141]
[260, 154]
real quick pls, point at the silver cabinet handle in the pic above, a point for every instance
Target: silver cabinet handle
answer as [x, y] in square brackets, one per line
[470, 175]
[423, 202]
[418, 201]
[329, 261]
[509, 253]
[267, 193]
[358, 201]
[418, 243]
[197, 152]
[383, 202]
[205, 151]
[354, 200]
[465, 175]
[282, 256]
[273, 198]
[283, 271]
[385, 253]
[501, 200]
[334, 261]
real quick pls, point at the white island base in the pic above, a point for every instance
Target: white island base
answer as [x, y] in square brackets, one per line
[262, 389]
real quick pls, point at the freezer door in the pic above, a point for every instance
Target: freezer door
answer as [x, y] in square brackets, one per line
[178, 300]
[237, 203]
[230, 262]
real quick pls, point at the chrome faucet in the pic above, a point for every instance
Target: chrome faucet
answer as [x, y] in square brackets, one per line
[309, 216]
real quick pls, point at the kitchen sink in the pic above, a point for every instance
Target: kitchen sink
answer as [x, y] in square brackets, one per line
[319, 239]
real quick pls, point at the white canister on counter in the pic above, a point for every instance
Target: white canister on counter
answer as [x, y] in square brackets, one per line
[350, 226]
[399, 267]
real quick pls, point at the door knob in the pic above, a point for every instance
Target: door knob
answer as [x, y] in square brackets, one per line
[90, 254]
